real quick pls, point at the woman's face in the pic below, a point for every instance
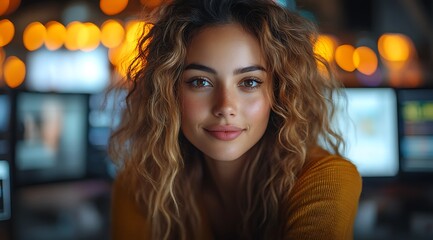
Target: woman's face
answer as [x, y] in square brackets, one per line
[225, 92]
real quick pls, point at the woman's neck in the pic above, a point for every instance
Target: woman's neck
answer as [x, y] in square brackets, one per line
[226, 176]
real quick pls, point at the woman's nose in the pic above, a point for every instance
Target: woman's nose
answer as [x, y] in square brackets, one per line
[225, 104]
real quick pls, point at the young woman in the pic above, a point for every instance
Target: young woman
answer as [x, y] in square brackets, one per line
[221, 136]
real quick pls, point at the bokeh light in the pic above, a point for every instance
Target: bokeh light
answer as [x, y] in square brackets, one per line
[92, 37]
[7, 32]
[325, 47]
[365, 60]
[4, 5]
[344, 57]
[122, 56]
[112, 33]
[394, 47]
[14, 71]
[34, 36]
[73, 32]
[9, 6]
[112, 7]
[56, 35]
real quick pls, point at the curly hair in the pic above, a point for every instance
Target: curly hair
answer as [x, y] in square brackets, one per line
[166, 172]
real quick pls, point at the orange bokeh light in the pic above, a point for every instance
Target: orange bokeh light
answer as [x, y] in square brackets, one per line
[4, 5]
[92, 37]
[112, 7]
[34, 36]
[56, 35]
[73, 32]
[9, 6]
[394, 47]
[365, 60]
[344, 57]
[325, 47]
[14, 72]
[7, 32]
[112, 33]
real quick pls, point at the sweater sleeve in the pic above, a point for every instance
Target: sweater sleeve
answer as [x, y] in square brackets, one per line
[127, 221]
[323, 202]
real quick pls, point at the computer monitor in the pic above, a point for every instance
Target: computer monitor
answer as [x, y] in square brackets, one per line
[369, 124]
[416, 130]
[51, 137]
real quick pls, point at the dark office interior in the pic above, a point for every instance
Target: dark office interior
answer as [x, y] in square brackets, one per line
[55, 118]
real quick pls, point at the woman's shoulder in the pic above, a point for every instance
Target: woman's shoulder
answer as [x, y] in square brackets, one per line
[127, 218]
[323, 201]
[327, 175]
[322, 163]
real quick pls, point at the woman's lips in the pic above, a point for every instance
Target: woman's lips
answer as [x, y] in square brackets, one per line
[224, 133]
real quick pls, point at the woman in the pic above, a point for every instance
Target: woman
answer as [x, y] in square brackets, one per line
[220, 138]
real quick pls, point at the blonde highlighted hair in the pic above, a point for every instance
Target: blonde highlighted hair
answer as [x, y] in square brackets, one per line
[166, 173]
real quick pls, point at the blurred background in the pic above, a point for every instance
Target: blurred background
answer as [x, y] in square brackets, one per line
[58, 57]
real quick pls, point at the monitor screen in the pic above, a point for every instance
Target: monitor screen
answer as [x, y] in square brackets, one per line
[51, 137]
[81, 72]
[4, 123]
[369, 124]
[416, 129]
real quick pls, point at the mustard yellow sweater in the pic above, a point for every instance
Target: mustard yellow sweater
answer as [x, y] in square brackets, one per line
[323, 203]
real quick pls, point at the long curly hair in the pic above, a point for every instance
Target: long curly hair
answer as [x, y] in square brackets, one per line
[164, 170]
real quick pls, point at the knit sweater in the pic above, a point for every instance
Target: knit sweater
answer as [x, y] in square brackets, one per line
[322, 204]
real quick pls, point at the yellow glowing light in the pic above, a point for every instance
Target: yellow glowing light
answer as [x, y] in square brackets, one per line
[4, 5]
[344, 57]
[7, 31]
[74, 36]
[394, 47]
[56, 35]
[123, 55]
[93, 37]
[14, 72]
[325, 47]
[112, 33]
[34, 36]
[112, 7]
[365, 60]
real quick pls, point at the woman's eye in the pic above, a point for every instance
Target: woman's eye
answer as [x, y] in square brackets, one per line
[250, 83]
[200, 83]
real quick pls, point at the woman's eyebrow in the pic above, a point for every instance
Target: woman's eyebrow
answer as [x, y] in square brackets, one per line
[200, 67]
[249, 69]
[204, 68]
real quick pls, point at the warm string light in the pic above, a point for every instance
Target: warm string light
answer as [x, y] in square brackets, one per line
[394, 58]
[8, 6]
[14, 71]
[395, 51]
[112, 7]
[7, 32]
